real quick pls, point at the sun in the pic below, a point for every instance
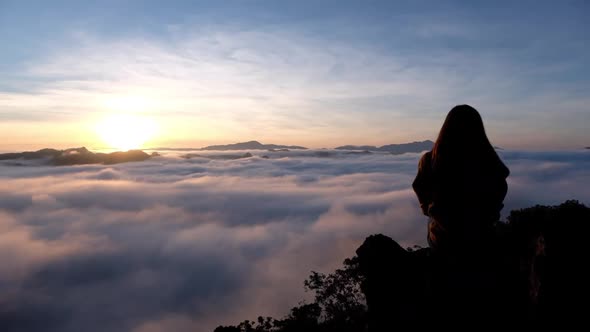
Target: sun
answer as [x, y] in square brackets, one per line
[125, 131]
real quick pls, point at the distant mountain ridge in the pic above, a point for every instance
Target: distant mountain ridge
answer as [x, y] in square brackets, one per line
[393, 148]
[250, 145]
[79, 156]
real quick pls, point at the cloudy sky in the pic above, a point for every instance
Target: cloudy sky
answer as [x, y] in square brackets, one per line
[182, 245]
[313, 73]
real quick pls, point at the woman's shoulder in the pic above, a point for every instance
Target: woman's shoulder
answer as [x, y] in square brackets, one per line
[497, 165]
[426, 159]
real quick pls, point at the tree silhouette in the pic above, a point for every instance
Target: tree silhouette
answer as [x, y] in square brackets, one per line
[338, 305]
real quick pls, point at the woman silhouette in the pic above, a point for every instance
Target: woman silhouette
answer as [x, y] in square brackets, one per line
[461, 184]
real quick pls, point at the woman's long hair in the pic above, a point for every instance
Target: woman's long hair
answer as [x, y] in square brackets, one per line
[463, 143]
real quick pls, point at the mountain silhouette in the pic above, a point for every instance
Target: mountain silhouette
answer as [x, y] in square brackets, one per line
[251, 145]
[392, 148]
[78, 156]
[358, 147]
[217, 156]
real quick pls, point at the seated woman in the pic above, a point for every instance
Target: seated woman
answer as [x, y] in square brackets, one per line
[461, 184]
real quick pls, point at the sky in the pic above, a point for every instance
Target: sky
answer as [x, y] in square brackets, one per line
[185, 245]
[311, 73]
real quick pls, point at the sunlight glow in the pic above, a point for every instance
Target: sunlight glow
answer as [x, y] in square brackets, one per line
[125, 131]
[127, 104]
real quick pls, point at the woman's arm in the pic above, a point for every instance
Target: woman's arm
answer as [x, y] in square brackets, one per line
[501, 189]
[422, 184]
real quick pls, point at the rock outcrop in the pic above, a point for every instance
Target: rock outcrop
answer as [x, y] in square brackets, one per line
[534, 276]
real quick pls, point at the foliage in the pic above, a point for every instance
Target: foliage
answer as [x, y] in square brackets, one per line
[339, 305]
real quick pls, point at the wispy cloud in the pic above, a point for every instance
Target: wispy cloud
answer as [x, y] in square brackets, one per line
[281, 82]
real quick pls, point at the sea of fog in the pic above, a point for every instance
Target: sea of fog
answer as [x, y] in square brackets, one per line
[176, 244]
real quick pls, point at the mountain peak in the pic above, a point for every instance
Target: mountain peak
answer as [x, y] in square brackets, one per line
[250, 145]
[416, 146]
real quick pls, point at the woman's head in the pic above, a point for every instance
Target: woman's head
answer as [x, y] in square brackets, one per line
[462, 137]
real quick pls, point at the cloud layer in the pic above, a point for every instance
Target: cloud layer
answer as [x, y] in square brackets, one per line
[185, 245]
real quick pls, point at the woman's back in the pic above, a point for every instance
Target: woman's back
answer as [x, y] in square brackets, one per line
[461, 183]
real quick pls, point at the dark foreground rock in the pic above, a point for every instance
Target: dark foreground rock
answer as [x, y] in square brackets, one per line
[533, 276]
